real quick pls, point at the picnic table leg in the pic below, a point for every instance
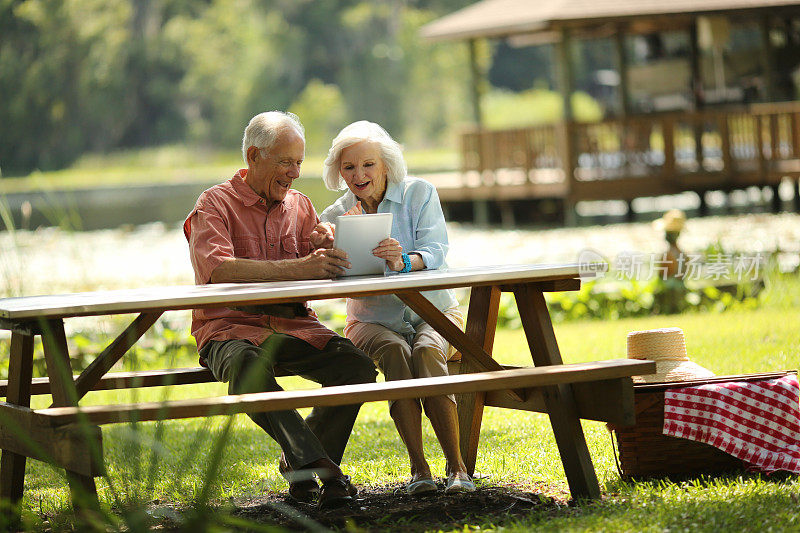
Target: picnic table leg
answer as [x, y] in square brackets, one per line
[484, 303]
[62, 387]
[559, 400]
[12, 465]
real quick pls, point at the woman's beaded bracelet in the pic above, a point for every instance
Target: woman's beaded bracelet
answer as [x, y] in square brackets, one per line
[406, 263]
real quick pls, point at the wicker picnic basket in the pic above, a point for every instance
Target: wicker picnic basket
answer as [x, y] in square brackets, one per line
[645, 452]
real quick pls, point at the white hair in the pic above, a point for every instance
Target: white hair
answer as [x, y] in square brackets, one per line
[263, 129]
[390, 150]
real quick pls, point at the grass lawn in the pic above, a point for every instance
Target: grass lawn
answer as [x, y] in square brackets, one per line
[168, 462]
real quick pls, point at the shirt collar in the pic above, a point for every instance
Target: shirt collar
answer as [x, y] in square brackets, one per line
[394, 192]
[246, 193]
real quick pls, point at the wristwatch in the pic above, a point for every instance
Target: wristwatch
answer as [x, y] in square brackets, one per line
[406, 263]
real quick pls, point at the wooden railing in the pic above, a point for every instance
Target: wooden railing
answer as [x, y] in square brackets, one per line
[670, 152]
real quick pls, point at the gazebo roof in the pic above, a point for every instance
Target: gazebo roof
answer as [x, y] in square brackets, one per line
[498, 18]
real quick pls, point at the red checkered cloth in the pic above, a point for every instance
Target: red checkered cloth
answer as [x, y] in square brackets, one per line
[757, 422]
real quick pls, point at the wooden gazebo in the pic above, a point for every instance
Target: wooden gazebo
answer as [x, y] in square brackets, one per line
[718, 137]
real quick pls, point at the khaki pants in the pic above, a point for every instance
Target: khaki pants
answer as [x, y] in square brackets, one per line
[421, 355]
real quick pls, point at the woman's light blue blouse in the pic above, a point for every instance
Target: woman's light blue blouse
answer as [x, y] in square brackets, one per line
[418, 225]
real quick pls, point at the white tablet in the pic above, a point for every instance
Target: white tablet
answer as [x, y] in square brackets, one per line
[358, 235]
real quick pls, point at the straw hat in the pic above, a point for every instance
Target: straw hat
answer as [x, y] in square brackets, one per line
[672, 221]
[667, 348]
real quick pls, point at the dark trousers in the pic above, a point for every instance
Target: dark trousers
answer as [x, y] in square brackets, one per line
[250, 368]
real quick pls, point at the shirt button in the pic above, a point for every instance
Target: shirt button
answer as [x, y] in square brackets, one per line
[272, 245]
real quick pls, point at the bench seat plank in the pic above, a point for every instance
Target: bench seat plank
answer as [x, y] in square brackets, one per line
[586, 394]
[349, 394]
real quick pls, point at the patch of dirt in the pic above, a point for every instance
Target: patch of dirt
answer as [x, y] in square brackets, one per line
[388, 508]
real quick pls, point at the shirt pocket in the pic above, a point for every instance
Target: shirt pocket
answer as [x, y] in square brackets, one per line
[289, 246]
[246, 248]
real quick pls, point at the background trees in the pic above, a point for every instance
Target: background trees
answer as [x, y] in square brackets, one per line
[98, 75]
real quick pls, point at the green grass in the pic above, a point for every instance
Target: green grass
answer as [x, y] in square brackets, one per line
[167, 461]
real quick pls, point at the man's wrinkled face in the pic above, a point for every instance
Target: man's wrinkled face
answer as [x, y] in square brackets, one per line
[272, 171]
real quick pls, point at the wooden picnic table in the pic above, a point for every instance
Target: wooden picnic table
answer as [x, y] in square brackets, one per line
[69, 436]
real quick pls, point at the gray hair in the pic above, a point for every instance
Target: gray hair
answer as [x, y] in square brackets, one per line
[391, 153]
[263, 129]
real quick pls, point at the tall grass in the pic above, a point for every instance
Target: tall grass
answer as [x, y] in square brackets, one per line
[10, 267]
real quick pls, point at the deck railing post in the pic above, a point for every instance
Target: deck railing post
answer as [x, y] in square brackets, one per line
[488, 161]
[774, 137]
[470, 151]
[697, 128]
[794, 124]
[727, 156]
[528, 137]
[566, 133]
[668, 133]
[762, 161]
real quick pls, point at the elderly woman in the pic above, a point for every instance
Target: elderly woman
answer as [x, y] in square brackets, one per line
[370, 163]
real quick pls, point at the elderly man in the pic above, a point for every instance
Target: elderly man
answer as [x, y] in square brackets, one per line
[254, 227]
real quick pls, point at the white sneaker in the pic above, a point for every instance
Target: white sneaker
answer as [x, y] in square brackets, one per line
[456, 483]
[421, 486]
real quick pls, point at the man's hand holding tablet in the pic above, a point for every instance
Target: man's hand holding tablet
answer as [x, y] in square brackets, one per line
[322, 236]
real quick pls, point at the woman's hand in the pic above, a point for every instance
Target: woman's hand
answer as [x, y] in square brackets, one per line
[355, 210]
[390, 251]
[322, 235]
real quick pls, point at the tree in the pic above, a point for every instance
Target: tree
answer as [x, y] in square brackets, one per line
[98, 75]
[321, 108]
[39, 55]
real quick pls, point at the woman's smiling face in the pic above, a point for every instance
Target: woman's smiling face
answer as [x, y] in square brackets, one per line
[364, 172]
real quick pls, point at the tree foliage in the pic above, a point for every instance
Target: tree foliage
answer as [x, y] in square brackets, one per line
[98, 75]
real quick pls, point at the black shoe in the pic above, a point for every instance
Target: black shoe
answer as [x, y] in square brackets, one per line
[302, 485]
[336, 492]
[352, 490]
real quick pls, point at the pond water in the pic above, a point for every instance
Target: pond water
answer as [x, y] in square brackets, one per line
[50, 260]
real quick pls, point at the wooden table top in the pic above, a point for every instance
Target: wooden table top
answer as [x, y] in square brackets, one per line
[227, 294]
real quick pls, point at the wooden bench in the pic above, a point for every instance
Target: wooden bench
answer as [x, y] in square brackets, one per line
[69, 435]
